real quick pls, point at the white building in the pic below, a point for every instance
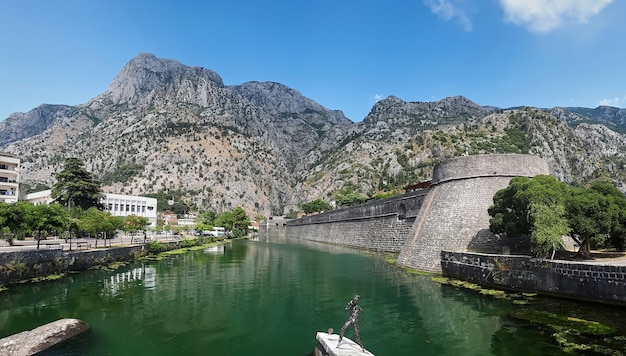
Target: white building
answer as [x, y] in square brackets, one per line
[9, 177]
[116, 204]
[124, 205]
[37, 198]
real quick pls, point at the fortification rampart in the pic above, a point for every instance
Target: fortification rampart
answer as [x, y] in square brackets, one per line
[454, 215]
[377, 225]
[579, 280]
[451, 215]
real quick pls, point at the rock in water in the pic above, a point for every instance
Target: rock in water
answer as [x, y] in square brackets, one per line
[42, 338]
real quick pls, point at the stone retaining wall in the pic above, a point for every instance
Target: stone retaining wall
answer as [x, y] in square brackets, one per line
[579, 280]
[20, 265]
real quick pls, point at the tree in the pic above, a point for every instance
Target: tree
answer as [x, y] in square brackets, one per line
[13, 218]
[317, 205]
[76, 186]
[225, 219]
[205, 220]
[292, 214]
[241, 221]
[236, 221]
[44, 219]
[594, 214]
[533, 207]
[91, 221]
[179, 208]
[546, 209]
[348, 197]
[511, 209]
[134, 223]
[617, 199]
[549, 227]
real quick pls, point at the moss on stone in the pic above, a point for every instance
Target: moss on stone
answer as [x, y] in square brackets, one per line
[494, 293]
[564, 322]
[52, 277]
[111, 266]
[416, 271]
[457, 283]
[183, 250]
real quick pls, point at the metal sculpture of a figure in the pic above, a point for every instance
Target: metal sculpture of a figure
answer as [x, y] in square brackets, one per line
[353, 319]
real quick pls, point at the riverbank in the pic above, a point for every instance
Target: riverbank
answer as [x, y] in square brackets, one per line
[24, 263]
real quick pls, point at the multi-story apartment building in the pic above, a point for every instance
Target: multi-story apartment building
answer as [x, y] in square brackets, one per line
[9, 177]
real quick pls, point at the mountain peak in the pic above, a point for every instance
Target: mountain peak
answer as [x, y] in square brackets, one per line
[146, 73]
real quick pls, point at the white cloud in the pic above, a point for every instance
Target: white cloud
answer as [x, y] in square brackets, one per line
[545, 15]
[376, 98]
[449, 10]
[616, 101]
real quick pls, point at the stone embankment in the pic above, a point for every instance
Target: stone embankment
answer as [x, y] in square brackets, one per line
[19, 265]
[594, 281]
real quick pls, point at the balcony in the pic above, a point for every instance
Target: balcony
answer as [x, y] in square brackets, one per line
[10, 171]
[8, 196]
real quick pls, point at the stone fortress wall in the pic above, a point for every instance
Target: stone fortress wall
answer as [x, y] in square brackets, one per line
[381, 225]
[450, 215]
[454, 215]
[445, 229]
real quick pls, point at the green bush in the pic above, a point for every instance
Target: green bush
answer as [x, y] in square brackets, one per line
[155, 247]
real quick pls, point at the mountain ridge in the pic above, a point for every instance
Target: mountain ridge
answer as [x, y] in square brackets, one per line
[162, 126]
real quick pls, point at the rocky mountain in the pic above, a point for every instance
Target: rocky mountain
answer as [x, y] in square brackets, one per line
[162, 126]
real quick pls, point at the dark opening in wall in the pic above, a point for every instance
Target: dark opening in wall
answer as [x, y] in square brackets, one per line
[401, 212]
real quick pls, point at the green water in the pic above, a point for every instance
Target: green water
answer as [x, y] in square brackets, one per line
[260, 298]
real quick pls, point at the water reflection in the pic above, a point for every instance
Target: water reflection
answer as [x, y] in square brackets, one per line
[270, 298]
[214, 250]
[143, 275]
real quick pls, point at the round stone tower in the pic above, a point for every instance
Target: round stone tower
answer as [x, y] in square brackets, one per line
[454, 217]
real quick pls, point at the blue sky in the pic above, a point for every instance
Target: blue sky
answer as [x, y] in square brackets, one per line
[344, 54]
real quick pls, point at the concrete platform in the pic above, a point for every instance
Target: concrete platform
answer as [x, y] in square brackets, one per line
[327, 346]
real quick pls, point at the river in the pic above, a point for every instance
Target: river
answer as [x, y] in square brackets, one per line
[265, 298]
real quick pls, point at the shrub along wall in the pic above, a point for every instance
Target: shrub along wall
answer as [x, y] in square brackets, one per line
[579, 280]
